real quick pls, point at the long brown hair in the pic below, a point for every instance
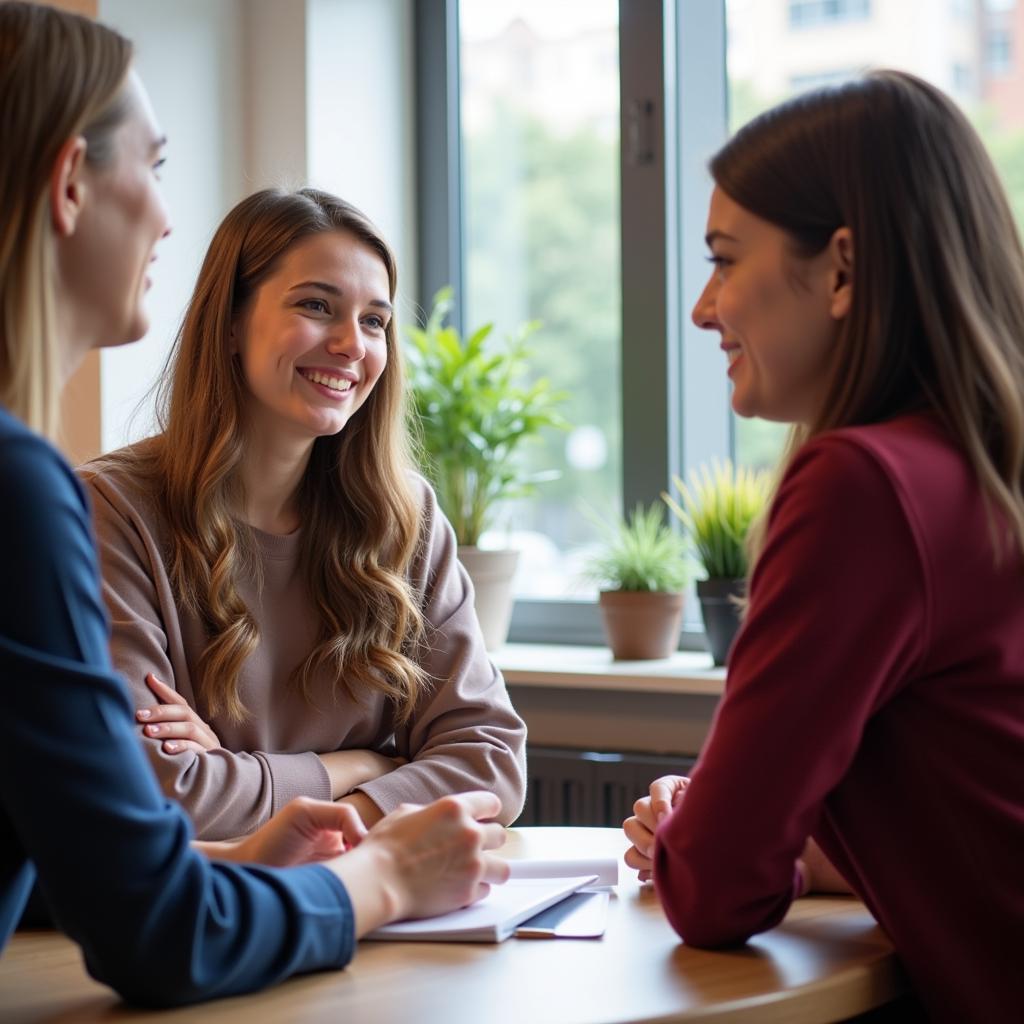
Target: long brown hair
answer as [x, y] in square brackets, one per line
[358, 537]
[61, 75]
[937, 318]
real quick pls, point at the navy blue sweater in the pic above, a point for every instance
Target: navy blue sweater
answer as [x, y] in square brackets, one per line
[79, 806]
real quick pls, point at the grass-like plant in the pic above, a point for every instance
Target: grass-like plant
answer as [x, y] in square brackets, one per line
[642, 552]
[719, 505]
[471, 411]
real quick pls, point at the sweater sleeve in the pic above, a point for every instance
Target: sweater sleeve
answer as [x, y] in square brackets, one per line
[158, 922]
[464, 733]
[226, 793]
[837, 617]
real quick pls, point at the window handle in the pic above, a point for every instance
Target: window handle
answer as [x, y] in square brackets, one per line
[640, 132]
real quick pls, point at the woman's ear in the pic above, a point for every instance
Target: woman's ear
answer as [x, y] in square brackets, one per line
[67, 189]
[840, 249]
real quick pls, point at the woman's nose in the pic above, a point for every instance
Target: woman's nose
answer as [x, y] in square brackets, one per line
[704, 313]
[347, 340]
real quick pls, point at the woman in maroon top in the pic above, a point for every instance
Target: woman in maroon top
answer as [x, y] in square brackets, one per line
[868, 287]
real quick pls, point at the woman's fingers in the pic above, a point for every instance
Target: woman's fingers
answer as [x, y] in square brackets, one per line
[325, 815]
[640, 835]
[494, 835]
[665, 794]
[164, 693]
[496, 869]
[182, 747]
[478, 804]
[177, 731]
[176, 722]
[636, 860]
[166, 713]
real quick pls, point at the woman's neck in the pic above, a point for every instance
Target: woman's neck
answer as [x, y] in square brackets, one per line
[271, 472]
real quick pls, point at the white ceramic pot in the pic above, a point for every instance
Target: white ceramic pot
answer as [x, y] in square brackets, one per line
[491, 573]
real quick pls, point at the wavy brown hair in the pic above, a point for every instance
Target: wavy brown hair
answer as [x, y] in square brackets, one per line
[937, 318]
[358, 538]
[61, 75]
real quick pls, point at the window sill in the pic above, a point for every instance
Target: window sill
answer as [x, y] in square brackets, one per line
[564, 667]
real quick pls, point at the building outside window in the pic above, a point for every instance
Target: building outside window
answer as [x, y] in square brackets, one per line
[813, 13]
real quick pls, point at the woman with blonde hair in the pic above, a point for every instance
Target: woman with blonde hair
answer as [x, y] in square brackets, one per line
[160, 919]
[868, 287]
[283, 582]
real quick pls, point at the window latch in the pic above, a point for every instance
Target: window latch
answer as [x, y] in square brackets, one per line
[640, 132]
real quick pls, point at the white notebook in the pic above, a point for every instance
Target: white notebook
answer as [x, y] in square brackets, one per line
[605, 868]
[494, 918]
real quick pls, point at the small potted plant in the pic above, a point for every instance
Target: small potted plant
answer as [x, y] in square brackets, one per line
[642, 570]
[472, 409]
[721, 502]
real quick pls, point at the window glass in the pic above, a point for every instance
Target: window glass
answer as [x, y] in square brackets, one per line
[540, 149]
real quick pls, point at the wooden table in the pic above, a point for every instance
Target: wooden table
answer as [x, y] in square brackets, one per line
[828, 960]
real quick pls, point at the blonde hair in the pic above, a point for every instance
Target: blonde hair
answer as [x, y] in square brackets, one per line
[937, 319]
[361, 521]
[61, 75]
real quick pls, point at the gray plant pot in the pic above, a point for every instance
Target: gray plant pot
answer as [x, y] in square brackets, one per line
[721, 614]
[491, 573]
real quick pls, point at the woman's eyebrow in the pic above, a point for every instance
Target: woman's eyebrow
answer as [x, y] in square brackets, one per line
[323, 286]
[714, 236]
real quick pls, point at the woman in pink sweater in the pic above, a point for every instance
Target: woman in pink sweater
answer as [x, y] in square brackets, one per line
[868, 287]
[285, 595]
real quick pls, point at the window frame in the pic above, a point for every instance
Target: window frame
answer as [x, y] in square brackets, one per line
[672, 75]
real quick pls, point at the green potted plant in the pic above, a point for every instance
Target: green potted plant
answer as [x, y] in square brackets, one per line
[642, 570]
[472, 409]
[719, 506]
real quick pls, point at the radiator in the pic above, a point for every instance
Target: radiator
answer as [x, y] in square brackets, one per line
[585, 787]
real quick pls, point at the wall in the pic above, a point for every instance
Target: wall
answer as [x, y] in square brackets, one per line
[360, 127]
[254, 93]
[189, 55]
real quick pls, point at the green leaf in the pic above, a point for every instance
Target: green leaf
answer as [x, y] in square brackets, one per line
[471, 410]
[720, 504]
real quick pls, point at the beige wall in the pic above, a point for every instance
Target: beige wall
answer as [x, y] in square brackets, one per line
[263, 78]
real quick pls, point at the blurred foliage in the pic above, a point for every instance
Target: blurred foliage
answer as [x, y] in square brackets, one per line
[720, 503]
[472, 410]
[642, 552]
[542, 243]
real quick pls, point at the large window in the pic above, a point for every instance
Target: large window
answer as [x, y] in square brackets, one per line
[567, 182]
[539, 99]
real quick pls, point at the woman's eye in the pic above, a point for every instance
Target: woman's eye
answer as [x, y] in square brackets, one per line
[374, 321]
[719, 263]
[158, 166]
[315, 305]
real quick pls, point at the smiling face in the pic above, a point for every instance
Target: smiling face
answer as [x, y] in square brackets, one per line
[777, 314]
[105, 262]
[312, 341]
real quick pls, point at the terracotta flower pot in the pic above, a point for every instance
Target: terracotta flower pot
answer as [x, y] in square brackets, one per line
[491, 573]
[641, 625]
[721, 614]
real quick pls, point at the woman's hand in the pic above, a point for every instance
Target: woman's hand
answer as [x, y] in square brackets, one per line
[302, 832]
[174, 721]
[349, 769]
[422, 861]
[818, 872]
[648, 814]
